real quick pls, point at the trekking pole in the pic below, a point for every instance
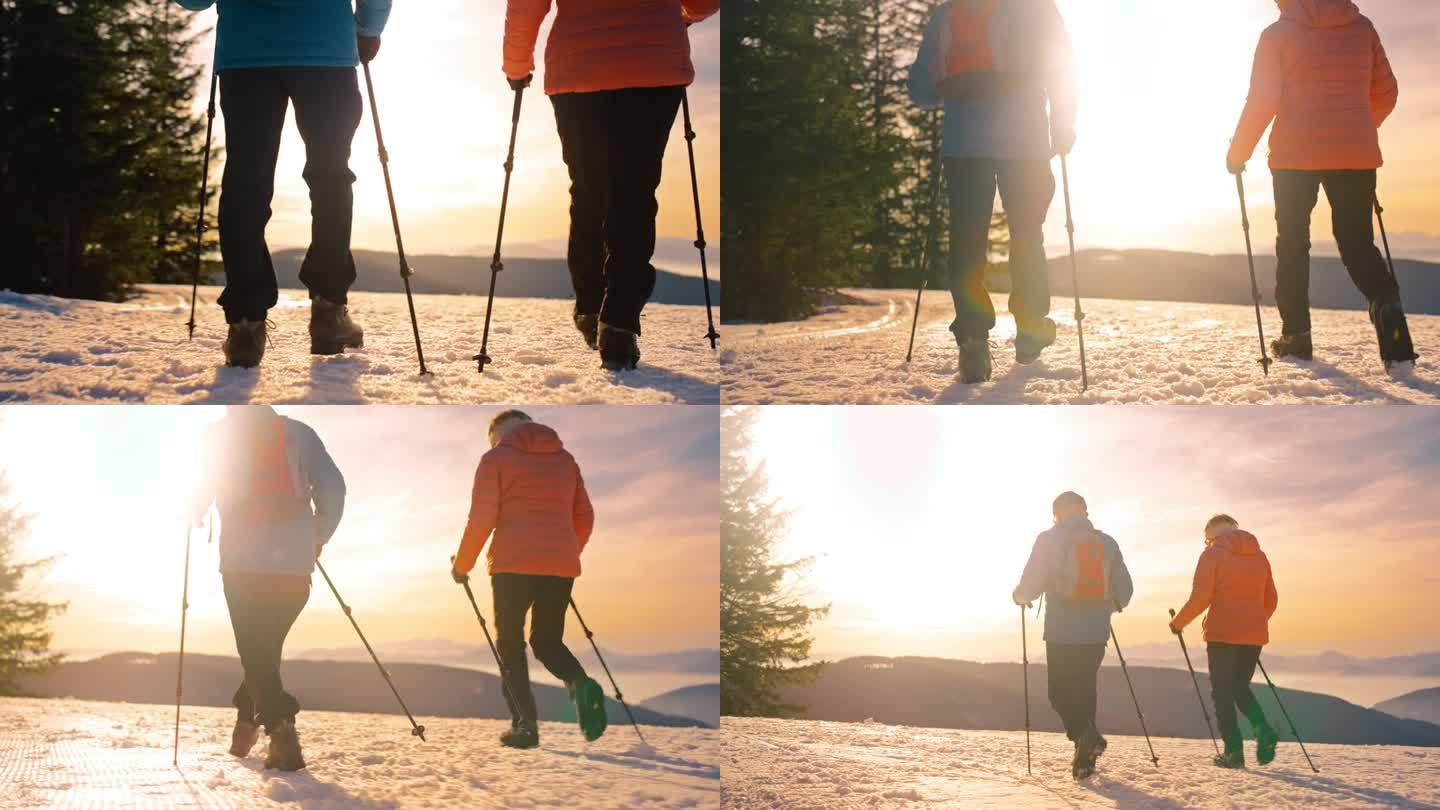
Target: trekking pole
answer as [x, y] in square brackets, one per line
[405, 271]
[416, 730]
[504, 683]
[1075, 276]
[1265, 360]
[925, 244]
[1025, 669]
[1385, 237]
[495, 264]
[180, 667]
[591, 636]
[204, 193]
[711, 335]
[1196, 681]
[1281, 704]
[1154, 760]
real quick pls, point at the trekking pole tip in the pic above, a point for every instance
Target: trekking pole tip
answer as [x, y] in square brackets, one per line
[481, 359]
[418, 731]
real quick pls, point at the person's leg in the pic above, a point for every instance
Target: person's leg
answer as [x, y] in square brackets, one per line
[584, 145]
[547, 628]
[327, 113]
[1223, 660]
[278, 602]
[253, 104]
[1247, 658]
[1352, 215]
[640, 120]
[514, 595]
[1295, 195]
[1060, 675]
[972, 204]
[1027, 188]
[1087, 683]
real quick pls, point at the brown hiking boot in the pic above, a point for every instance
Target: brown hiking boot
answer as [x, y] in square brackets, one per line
[619, 348]
[589, 326]
[331, 329]
[284, 753]
[243, 738]
[245, 344]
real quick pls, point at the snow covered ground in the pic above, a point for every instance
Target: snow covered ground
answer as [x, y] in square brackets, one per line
[1137, 352]
[58, 350]
[71, 753]
[800, 764]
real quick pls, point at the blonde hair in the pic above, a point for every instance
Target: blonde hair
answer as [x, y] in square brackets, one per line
[505, 417]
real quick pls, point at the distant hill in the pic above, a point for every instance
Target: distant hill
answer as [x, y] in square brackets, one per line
[945, 693]
[1421, 665]
[446, 652]
[470, 275]
[210, 680]
[700, 702]
[1423, 704]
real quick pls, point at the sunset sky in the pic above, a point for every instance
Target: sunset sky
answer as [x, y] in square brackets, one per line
[921, 519]
[445, 110]
[1161, 87]
[106, 486]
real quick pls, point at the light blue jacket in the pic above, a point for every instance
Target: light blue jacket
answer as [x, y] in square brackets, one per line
[1034, 62]
[292, 33]
[1068, 621]
[250, 542]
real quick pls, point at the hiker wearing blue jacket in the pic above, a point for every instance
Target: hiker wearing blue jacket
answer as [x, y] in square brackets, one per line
[1082, 575]
[270, 53]
[1005, 75]
[279, 496]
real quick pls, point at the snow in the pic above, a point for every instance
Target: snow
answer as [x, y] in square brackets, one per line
[55, 350]
[71, 753]
[1137, 352]
[803, 764]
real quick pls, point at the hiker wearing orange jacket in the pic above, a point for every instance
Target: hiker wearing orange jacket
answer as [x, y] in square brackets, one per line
[615, 71]
[1322, 76]
[1234, 583]
[529, 503]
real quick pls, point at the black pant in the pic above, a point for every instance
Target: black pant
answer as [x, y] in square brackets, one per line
[1231, 668]
[613, 142]
[546, 599]
[263, 607]
[1352, 201]
[327, 112]
[1074, 671]
[1026, 189]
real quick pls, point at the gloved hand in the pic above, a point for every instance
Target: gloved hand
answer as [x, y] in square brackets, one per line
[520, 84]
[369, 47]
[1174, 629]
[460, 579]
[1062, 140]
[1234, 168]
[318, 549]
[1025, 605]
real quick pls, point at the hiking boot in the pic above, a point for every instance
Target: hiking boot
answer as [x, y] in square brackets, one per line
[1087, 749]
[975, 362]
[1392, 330]
[284, 753]
[589, 326]
[244, 346]
[520, 735]
[589, 701]
[1233, 760]
[1029, 344]
[331, 329]
[1296, 346]
[619, 348]
[1265, 742]
[243, 738]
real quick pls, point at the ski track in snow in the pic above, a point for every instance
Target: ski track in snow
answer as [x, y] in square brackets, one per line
[804, 764]
[1143, 352]
[72, 753]
[58, 350]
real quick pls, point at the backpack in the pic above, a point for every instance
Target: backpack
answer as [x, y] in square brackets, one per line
[1085, 567]
[262, 476]
[970, 37]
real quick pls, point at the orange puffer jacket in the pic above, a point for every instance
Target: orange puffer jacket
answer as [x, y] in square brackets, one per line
[605, 44]
[529, 492]
[1233, 580]
[1322, 76]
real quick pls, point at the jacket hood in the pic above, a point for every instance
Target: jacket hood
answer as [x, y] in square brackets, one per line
[1075, 523]
[1237, 542]
[1322, 13]
[532, 437]
[250, 414]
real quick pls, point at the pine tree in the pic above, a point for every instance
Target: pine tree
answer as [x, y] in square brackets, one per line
[764, 628]
[24, 622]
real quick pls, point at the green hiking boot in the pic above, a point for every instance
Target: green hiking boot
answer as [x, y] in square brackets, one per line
[590, 707]
[1265, 737]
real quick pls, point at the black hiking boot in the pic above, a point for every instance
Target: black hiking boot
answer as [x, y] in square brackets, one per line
[1296, 346]
[284, 753]
[590, 708]
[243, 738]
[589, 326]
[1087, 749]
[1234, 756]
[244, 346]
[521, 735]
[975, 362]
[331, 329]
[619, 348]
[1393, 331]
[1029, 344]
